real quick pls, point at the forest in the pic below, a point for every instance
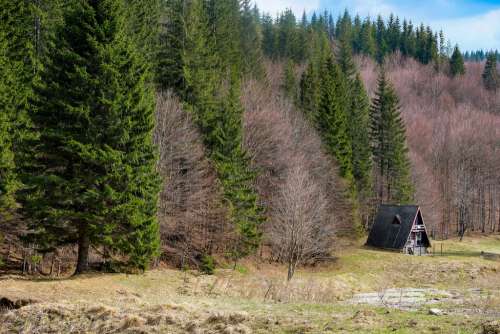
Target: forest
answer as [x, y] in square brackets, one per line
[140, 132]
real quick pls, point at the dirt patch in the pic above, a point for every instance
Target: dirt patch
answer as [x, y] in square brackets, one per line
[412, 298]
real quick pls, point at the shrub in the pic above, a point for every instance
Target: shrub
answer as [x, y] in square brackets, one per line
[207, 265]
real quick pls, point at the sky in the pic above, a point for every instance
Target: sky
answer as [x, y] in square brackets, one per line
[472, 24]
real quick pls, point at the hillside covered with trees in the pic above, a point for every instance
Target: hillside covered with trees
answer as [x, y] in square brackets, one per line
[183, 131]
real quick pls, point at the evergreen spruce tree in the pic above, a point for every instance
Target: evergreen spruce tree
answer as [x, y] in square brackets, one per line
[357, 118]
[491, 79]
[393, 33]
[268, 37]
[201, 74]
[218, 114]
[367, 40]
[390, 153]
[381, 40]
[143, 25]
[359, 130]
[8, 176]
[309, 92]
[171, 46]
[345, 59]
[457, 66]
[17, 20]
[93, 174]
[232, 165]
[250, 42]
[224, 25]
[331, 117]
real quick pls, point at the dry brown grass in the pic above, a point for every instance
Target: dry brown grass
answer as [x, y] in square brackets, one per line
[259, 300]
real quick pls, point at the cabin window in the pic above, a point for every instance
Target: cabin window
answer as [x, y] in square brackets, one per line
[419, 220]
[397, 220]
[419, 239]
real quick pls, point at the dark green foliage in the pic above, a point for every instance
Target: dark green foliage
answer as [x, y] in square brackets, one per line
[17, 20]
[345, 59]
[208, 67]
[390, 154]
[480, 55]
[359, 130]
[172, 39]
[393, 33]
[408, 39]
[143, 26]
[8, 91]
[93, 178]
[289, 80]
[491, 80]
[224, 25]
[231, 162]
[309, 91]
[250, 42]
[331, 116]
[366, 39]
[380, 32]
[207, 265]
[287, 38]
[268, 36]
[457, 66]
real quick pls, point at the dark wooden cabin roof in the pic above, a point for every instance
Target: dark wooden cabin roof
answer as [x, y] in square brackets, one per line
[392, 226]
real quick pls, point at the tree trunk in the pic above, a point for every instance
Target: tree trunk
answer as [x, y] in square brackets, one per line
[83, 251]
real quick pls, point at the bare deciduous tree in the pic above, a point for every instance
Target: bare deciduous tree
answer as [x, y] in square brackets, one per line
[285, 148]
[300, 231]
[192, 219]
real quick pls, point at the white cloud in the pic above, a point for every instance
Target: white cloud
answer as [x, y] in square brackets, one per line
[474, 32]
[297, 6]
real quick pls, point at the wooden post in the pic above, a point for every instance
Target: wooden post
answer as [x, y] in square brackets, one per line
[52, 265]
[441, 249]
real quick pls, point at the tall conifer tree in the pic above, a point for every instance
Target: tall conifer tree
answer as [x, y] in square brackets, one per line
[8, 176]
[388, 137]
[457, 66]
[359, 130]
[345, 59]
[309, 92]
[17, 25]
[210, 91]
[332, 116]
[171, 46]
[250, 42]
[93, 175]
[367, 40]
[232, 164]
[491, 79]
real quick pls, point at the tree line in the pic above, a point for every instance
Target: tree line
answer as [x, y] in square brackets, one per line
[89, 88]
[286, 36]
[479, 55]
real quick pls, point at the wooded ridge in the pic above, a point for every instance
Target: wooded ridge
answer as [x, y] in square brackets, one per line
[186, 131]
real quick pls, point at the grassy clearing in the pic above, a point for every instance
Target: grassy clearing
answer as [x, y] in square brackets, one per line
[257, 299]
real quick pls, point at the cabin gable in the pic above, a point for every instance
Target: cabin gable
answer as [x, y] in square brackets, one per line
[399, 228]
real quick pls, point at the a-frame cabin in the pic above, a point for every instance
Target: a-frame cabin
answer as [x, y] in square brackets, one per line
[399, 227]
